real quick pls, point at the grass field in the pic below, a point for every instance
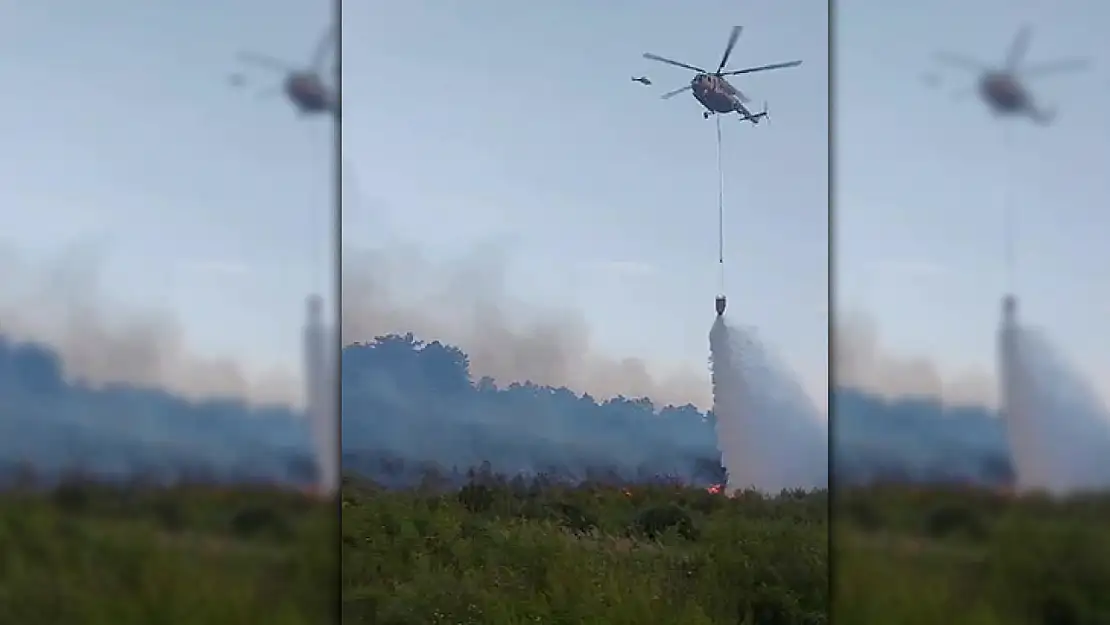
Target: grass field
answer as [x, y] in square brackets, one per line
[497, 553]
[90, 554]
[963, 557]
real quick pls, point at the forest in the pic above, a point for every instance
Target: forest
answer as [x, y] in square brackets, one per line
[409, 405]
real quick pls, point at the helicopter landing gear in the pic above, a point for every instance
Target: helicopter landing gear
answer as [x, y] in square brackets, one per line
[705, 114]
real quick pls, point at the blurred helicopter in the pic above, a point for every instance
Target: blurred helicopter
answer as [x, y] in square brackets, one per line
[644, 80]
[305, 87]
[714, 92]
[1002, 88]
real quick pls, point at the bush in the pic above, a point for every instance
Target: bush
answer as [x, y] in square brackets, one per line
[89, 553]
[950, 520]
[962, 556]
[511, 552]
[656, 520]
[259, 520]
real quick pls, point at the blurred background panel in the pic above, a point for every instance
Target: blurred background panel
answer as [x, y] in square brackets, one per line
[970, 426]
[167, 261]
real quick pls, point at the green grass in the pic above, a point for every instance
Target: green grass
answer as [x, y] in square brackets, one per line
[500, 554]
[962, 557]
[91, 554]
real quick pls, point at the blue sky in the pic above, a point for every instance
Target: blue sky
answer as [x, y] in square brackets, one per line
[921, 179]
[516, 125]
[122, 134]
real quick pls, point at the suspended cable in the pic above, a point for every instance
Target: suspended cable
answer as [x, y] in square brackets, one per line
[720, 210]
[1008, 216]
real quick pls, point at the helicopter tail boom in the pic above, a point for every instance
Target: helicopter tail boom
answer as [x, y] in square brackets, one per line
[1044, 117]
[748, 116]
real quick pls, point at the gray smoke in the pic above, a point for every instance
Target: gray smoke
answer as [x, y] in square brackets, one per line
[864, 363]
[465, 303]
[62, 304]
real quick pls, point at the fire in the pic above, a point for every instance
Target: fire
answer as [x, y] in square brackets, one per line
[716, 489]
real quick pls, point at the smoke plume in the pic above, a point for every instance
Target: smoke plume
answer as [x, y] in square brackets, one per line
[61, 304]
[864, 363]
[395, 291]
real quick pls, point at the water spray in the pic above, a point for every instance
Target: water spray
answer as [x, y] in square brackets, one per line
[318, 391]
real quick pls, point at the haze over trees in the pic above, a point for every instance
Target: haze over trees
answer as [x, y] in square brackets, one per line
[409, 404]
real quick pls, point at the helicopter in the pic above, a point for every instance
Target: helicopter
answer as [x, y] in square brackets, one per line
[643, 80]
[1002, 89]
[713, 90]
[305, 87]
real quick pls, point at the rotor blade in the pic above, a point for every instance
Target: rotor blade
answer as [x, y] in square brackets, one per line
[732, 37]
[268, 92]
[930, 80]
[671, 94]
[654, 57]
[763, 68]
[964, 94]
[267, 62]
[1018, 48]
[322, 48]
[1055, 67]
[961, 62]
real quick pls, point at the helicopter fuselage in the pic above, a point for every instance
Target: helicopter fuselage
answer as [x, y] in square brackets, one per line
[308, 92]
[1004, 94]
[714, 93]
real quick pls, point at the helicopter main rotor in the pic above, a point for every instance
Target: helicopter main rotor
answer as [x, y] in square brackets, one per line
[1013, 61]
[316, 61]
[733, 37]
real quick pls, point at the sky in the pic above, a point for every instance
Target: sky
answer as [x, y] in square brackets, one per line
[514, 127]
[922, 177]
[127, 152]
